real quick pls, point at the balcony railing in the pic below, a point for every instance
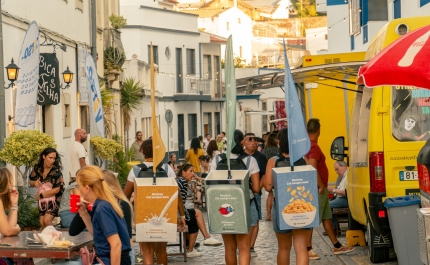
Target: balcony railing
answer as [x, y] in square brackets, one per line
[196, 86]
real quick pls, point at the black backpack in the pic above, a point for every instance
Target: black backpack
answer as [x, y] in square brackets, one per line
[235, 163]
[282, 161]
[146, 172]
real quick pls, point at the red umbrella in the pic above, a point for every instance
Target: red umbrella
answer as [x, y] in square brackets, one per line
[405, 62]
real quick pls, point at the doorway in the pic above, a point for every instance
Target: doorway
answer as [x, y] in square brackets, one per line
[181, 141]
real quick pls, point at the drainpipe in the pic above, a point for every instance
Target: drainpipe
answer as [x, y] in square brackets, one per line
[2, 92]
[200, 59]
[94, 31]
[200, 77]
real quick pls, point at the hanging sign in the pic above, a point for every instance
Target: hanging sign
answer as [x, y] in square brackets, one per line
[84, 92]
[27, 82]
[96, 108]
[49, 82]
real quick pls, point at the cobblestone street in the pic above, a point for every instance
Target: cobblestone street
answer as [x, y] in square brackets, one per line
[266, 248]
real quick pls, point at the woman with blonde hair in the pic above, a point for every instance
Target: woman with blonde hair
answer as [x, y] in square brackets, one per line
[8, 201]
[78, 224]
[111, 239]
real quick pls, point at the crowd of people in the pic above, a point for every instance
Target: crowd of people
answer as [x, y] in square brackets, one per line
[100, 192]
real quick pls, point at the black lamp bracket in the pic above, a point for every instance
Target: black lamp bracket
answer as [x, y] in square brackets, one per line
[48, 41]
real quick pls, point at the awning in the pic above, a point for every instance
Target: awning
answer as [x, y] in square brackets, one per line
[256, 112]
[343, 72]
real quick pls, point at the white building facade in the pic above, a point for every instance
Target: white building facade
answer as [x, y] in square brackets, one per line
[189, 73]
[68, 24]
[352, 24]
[317, 40]
[226, 22]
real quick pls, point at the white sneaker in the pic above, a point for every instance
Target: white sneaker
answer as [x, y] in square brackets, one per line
[253, 253]
[211, 242]
[193, 253]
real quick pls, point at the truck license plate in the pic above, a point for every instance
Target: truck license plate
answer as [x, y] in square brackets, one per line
[408, 175]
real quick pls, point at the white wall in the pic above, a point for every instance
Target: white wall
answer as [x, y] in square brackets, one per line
[412, 8]
[59, 16]
[167, 83]
[316, 40]
[282, 11]
[338, 35]
[242, 33]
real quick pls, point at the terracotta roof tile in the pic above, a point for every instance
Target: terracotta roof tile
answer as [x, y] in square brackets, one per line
[205, 12]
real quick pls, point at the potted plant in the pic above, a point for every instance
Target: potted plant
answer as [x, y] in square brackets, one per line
[28, 213]
[104, 149]
[114, 56]
[117, 22]
[120, 160]
[22, 148]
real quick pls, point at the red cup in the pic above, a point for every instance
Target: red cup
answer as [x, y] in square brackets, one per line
[74, 200]
[90, 206]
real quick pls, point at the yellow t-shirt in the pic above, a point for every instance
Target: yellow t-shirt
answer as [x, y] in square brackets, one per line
[220, 145]
[194, 158]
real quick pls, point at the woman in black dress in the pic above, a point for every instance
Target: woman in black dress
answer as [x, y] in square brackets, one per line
[46, 176]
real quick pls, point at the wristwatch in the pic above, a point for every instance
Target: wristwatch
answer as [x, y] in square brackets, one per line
[41, 195]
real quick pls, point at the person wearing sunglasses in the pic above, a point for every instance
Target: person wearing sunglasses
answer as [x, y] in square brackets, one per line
[251, 149]
[232, 242]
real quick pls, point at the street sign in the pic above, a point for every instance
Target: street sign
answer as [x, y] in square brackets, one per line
[169, 116]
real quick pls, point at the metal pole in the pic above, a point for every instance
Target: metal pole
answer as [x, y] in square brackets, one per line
[168, 141]
[94, 31]
[2, 91]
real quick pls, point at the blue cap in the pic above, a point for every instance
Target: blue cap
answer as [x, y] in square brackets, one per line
[402, 201]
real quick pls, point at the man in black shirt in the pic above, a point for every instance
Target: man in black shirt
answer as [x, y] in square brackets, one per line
[251, 149]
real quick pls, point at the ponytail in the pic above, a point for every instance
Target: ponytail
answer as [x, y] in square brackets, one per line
[93, 177]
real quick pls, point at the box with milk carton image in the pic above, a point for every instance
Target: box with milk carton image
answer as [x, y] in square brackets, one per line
[156, 209]
[296, 195]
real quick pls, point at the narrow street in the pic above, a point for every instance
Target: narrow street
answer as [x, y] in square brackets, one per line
[266, 247]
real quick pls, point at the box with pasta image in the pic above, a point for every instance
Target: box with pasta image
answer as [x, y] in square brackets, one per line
[296, 197]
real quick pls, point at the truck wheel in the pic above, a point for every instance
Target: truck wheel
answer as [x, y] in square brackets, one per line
[376, 255]
[352, 224]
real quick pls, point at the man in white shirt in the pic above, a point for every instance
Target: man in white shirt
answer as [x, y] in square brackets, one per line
[206, 141]
[340, 192]
[79, 155]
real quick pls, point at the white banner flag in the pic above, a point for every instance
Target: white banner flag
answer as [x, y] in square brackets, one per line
[96, 109]
[28, 80]
[84, 92]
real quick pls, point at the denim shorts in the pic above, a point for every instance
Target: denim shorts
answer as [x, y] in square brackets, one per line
[258, 199]
[254, 213]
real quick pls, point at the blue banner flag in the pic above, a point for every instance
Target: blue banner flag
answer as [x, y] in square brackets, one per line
[298, 139]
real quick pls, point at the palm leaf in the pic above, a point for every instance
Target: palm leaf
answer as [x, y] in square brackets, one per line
[131, 95]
